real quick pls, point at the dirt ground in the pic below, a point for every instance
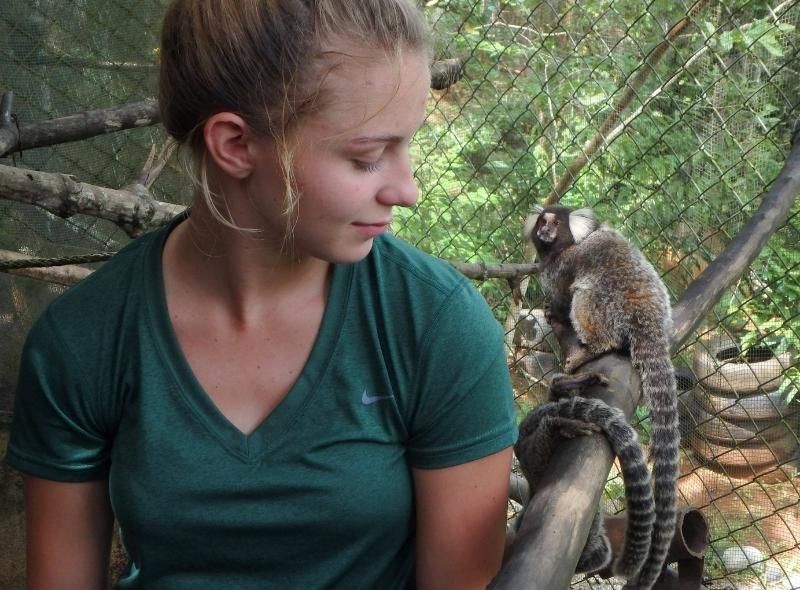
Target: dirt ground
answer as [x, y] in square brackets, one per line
[764, 514]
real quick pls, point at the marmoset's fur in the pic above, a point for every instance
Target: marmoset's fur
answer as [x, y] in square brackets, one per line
[615, 301]
[573, 416]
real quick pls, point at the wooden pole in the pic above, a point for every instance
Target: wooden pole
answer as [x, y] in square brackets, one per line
[556, 523]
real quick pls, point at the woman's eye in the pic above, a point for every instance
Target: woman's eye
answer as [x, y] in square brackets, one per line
[367, 166]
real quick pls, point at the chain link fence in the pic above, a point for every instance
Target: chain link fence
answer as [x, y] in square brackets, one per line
[670, 119]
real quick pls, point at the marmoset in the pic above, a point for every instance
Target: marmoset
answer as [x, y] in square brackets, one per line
[573, 416]
[614, 300]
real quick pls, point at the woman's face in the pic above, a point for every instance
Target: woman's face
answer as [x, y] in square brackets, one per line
[351, 161]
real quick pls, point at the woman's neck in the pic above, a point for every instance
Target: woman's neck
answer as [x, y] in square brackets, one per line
[241, 274]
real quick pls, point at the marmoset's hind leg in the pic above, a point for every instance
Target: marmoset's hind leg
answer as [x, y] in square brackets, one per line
[594, 323]
[575, 352]
[562, 385]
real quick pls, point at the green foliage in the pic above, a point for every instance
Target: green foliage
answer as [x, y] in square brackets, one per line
[710, 135]
[762, 306]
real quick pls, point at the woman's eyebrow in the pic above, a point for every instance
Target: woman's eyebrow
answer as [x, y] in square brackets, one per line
[388, 138]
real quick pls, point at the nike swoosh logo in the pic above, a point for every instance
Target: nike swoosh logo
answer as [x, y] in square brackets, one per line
[367, 399]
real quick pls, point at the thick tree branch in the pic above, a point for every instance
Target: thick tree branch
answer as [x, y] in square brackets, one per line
[555, 526]
[85, 125]
[64, 196]
[632, 87]
[143, 113]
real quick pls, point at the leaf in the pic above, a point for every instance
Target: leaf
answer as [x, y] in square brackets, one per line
[771, 44]
[726, 41]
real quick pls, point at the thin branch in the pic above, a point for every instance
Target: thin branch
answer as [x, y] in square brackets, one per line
[62, 59]
[482, 272]
[617, 131]
[531, 30]
[155, 163]
[633, 85]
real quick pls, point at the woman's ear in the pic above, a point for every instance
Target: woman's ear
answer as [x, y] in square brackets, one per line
[227, 139]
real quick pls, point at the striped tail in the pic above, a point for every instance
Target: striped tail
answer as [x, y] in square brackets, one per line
[635, 476]
[650, 356]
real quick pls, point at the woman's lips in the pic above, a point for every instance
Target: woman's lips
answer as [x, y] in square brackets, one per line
[371, 230]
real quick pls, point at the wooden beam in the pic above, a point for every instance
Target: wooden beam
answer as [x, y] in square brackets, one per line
[556, 523]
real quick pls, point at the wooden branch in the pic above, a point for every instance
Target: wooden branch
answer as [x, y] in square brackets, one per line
[66, 275]
[85, 125]
[154, 164]
[143, 113]
[64, 196]
[444, 73]
[57, 58]
[481, 272]
[632, 87]
[555, 525]
[623, 125]
[704, 292]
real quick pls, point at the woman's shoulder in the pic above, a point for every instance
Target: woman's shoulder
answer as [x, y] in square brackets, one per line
[396, 256]
[408, 278]
[111, 287]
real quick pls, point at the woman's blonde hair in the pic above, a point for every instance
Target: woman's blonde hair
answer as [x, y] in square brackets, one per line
[263, 59]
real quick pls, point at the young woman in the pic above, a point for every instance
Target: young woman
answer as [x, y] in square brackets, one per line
[271, 392]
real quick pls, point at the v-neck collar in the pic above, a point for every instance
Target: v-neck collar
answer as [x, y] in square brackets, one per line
[268, 434]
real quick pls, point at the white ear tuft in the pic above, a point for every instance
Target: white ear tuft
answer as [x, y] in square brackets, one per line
[582, 222]
[530, 223]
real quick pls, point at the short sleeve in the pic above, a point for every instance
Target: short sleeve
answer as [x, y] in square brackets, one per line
[55, 432]
[465, 404]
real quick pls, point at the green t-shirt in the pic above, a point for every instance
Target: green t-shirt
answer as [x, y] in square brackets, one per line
[408, 370]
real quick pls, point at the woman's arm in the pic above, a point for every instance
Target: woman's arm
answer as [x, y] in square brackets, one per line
[461, 523]
[68, 534]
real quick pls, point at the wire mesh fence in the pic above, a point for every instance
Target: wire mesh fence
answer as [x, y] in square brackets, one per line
[670, 119]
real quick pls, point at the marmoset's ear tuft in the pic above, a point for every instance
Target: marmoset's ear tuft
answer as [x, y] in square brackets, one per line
[530, 222]
[582, 222]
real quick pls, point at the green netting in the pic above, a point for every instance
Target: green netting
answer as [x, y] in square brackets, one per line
[679, 170]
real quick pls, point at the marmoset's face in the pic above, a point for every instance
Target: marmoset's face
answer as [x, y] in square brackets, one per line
[352, 164]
